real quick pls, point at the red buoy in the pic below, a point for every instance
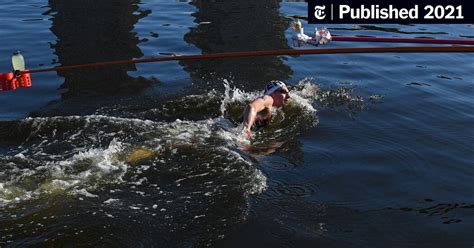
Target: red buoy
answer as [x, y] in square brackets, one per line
[8, 81]
[24, 80]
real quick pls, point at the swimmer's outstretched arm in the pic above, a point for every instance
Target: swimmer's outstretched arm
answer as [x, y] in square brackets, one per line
[250, 112]
[249, 117]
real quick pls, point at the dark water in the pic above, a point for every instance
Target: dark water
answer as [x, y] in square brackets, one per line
[374, 151]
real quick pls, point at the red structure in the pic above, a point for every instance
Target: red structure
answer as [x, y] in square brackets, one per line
[8, 81]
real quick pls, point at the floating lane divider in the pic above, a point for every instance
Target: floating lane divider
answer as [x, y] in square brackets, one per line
[22, 78]
[322, 36]
[416, 49]
[403, 40]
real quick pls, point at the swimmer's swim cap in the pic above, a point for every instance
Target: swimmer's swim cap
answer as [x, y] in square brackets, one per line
[274, 86]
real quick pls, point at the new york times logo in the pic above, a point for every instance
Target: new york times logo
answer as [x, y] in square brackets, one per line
[319, 12]
[403, 11]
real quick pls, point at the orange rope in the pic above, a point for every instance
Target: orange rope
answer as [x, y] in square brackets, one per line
[415, 49]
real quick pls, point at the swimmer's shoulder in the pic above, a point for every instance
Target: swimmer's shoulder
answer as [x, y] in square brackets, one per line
[268, 101]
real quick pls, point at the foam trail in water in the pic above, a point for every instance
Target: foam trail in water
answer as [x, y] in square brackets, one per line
[77, 154]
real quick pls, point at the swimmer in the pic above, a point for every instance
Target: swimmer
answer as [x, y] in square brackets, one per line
[259, 112]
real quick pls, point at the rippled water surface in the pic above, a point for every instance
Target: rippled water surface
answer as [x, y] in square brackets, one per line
[375, 150]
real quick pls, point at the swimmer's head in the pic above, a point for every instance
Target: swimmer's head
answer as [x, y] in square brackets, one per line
[279, 92]
[274, 86]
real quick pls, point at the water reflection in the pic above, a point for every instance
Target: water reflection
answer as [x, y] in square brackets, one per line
[94, 31]
[230, 26]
